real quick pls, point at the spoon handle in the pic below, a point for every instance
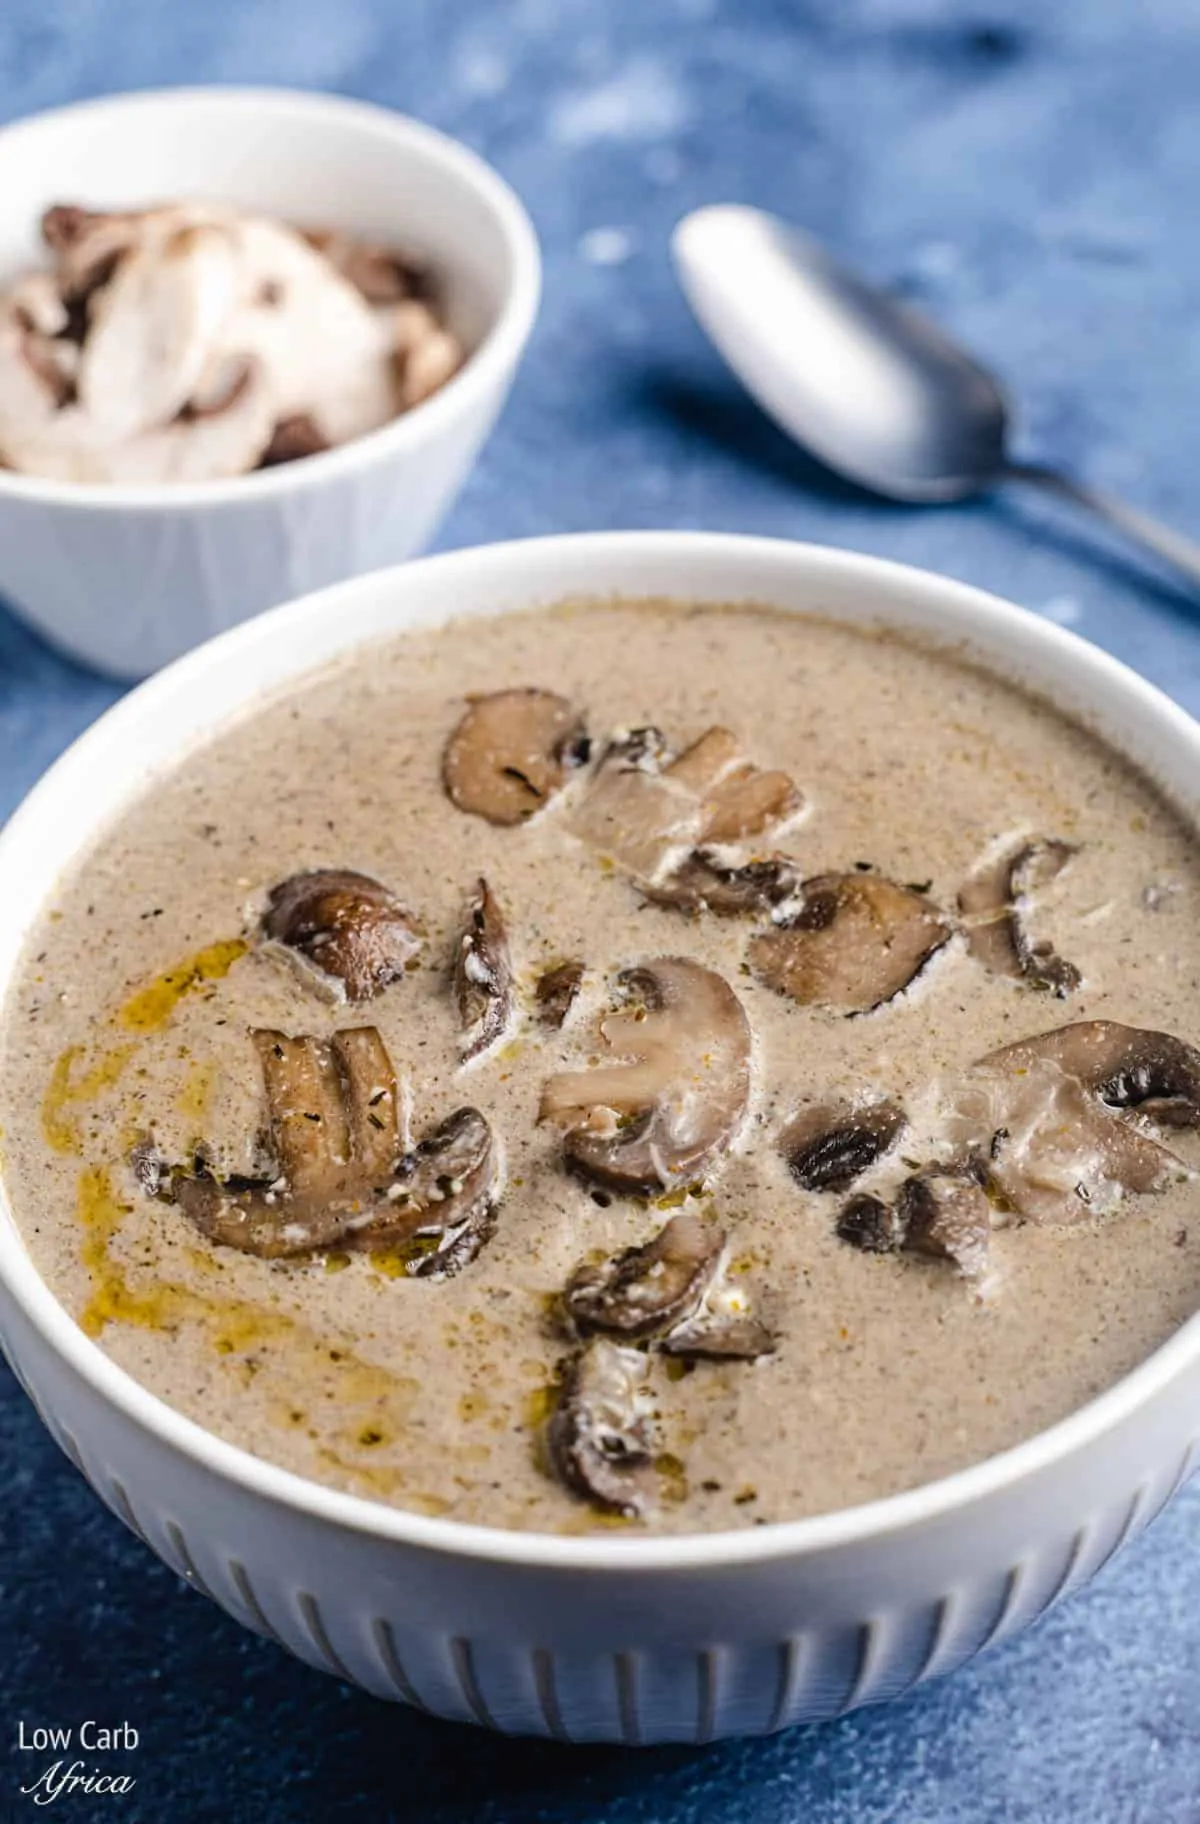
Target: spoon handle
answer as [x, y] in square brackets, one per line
[1182, 553]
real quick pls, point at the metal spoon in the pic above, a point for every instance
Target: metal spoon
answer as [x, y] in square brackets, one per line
[868, 384]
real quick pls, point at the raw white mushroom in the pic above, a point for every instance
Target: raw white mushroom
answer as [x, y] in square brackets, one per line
[428, 366]
[223, 435]
[36, 300]
[153, 328]
[214, 442]
[27, 393]
[87, 242]
[171, 344]
[324, 349]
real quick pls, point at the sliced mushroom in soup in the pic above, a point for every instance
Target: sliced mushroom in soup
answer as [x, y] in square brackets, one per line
[665, 1116]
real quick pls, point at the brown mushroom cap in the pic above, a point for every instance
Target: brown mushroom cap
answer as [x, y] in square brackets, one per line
[511, 752]
[702, 883]
[946, 1214]
[871, 1225]
[719, 1326]
[720, 1331]
[351, 932]
[443, 1198]
[857, 941]
[670, 1289]
[1126, 1066]
[661, 1119]
[556, 991]
[340, 1177]
[87, 243]
[829, 1146]
[292, 438]
[598, 1438]
[643, 1291]
[483, 977]
[995, 903]
[642, 806]
[1052, 1117]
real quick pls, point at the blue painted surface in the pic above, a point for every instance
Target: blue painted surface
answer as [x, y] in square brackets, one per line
[1026, 169]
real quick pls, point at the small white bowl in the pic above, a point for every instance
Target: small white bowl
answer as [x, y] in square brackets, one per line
[601, 1638]
[127, 578]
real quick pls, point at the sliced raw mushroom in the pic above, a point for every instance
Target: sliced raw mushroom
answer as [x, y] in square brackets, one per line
[222, 431]
[646, 809]
[644, 1291]
[871, 1225]
[661, 1119]
[381, 274]
[425, 352]
[36, 302]
[556, 992]
[153, 327]
[483, 977]
[33, 387]
[192, 342]
[427, 364]
[995, 903]
[86, 244]
[829, 1146]
[327, 352]
[1056, 1117]
[702, 883]
[412, 323]
[293, 437]
[222, 435]
[598, 1438]
[946, 1214]
[350, 934]
[64, 225]
[857, 941]
[511, 753]
[38, 365]
[340, 1177]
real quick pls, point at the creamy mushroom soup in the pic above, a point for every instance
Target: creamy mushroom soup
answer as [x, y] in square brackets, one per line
[623, 1065]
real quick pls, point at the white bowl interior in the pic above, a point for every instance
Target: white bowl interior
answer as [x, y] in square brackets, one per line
[316, 161]
[154, 727]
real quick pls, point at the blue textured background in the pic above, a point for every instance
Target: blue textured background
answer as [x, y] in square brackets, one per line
[1029, 169]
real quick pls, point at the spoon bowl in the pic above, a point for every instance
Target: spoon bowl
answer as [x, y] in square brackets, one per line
[865, 382]
[868, 384]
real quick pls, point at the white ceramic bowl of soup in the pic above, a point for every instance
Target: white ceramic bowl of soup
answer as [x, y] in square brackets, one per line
[604, 1637]
[127, 578]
